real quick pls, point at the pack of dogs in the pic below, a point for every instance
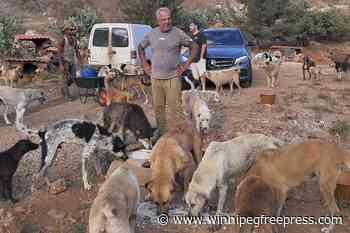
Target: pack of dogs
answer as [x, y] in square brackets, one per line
[260, 168]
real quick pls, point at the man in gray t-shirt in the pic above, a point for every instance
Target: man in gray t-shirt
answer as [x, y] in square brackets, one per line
[165, 69]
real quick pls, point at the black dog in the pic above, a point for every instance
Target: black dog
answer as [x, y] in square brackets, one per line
[8, 165]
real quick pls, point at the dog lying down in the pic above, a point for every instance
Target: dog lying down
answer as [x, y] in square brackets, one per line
[253, 198]
[171, 156]
[115, 206]
[221, 162]
[92, 136]
[289, 166]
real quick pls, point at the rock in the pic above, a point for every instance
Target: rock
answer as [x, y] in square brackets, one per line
[58, 186]
[58, 215]
[143, 174]
[20, 210]
[8, 222]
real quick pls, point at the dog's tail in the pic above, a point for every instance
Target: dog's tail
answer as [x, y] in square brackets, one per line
[189, 82]
[43, 145]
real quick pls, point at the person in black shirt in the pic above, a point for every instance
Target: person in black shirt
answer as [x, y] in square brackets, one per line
[198, 66]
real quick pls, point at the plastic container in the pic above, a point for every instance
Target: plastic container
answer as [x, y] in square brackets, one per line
[267, 98]
[87, 71]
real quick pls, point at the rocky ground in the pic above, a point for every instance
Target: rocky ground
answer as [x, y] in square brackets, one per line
[303, 109]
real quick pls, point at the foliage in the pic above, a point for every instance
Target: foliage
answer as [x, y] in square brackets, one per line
[83, 23]
[143, 11]
[9, 27]
[265, 12]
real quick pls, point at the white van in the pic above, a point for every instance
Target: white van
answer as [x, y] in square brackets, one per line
[116, 43]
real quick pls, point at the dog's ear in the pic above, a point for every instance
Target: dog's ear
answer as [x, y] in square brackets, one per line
[84, 130]
[103, 131]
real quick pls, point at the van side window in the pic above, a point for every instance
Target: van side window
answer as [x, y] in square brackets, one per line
[120, 37]
[100, 37]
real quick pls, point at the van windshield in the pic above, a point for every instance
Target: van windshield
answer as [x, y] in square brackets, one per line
[224, 37]
[120, 37]
[100, 37]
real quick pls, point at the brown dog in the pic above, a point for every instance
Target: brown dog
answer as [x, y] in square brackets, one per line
[172, 156]
[289, 166]
[254, 197]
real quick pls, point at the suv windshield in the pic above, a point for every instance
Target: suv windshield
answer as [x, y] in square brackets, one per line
[224, 37]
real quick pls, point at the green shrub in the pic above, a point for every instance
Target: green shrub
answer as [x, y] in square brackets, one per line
[9, 27]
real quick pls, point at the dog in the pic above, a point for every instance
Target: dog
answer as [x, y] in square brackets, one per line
[87, 133]
[254, 197]
[288, 167]
[271, 64]
[197, 109]
[222, 162]
[10, 76]
[226, 76]
[171, 156]
[310, 67]
[121, 117]
[9, 160]
[115, 72]
[341, 63]
[114, 208]
[20, 99]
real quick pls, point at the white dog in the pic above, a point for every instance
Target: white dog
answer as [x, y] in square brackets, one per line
[197, 108]
[221, 162]
[114, 208]
[20, 99]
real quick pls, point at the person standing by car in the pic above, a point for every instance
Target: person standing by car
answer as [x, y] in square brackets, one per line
[68, 52]
[198, 66]
[165, 69]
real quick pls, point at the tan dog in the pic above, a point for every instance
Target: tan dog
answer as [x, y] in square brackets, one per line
[289, 166]
[254, 197]
[172, 156]
[10, 76]
[114, 209]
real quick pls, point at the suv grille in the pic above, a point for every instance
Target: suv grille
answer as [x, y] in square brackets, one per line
[220, 63]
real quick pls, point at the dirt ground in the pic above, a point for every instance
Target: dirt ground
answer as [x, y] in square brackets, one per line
[303, 109]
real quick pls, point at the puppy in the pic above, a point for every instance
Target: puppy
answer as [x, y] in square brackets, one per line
[172, 156]
[89, 134]
[222, 162]
[114, 208]
[20, 99]
[120, 117]
[288, 167]
[254, 197]
[9, 160]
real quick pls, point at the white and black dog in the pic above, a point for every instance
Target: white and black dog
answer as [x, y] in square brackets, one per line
[271, 63]
[89, 134]
[19, 98]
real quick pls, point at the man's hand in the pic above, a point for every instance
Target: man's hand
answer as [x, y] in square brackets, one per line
[182, 68]
[147, 68]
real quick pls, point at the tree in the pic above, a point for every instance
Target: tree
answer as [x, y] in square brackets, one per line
[143, 11]
[9, 27]
[265, 12]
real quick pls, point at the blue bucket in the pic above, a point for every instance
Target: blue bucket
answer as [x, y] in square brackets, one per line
[87, 71]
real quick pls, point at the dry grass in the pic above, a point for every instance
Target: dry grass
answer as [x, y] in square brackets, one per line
[341, 128]
[320, 108]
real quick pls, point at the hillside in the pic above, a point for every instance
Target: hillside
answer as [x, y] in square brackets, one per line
[36, 13]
